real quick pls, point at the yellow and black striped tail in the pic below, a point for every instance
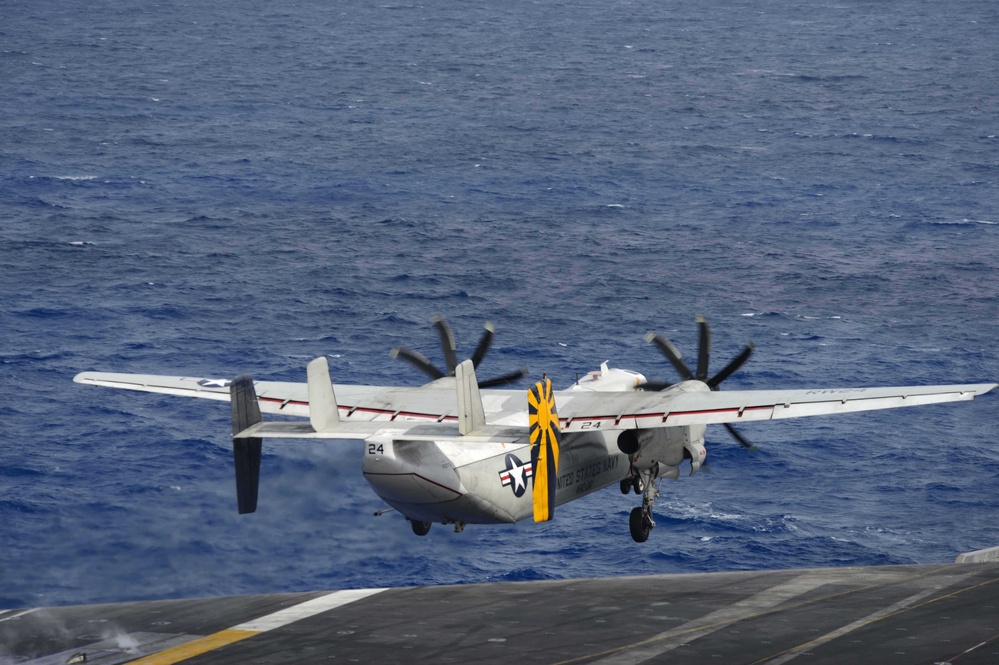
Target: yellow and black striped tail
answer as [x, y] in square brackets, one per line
[545, 438]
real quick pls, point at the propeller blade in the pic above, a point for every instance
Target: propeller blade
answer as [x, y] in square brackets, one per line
[654, 386]
[732, 367]
[419, 361]
[703, 348]
[671, 354]
[447, 343]
[505, 379]
[746, 443]
[546, 436]
[483, 348]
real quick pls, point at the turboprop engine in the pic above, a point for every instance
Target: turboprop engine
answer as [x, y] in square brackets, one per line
[666, 447]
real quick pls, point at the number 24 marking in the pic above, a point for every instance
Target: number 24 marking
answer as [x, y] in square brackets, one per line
[376, 449]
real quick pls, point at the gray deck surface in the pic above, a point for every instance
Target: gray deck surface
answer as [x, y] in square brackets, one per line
[897, 614]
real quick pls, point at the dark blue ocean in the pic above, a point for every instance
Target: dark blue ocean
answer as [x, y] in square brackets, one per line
[211, 189]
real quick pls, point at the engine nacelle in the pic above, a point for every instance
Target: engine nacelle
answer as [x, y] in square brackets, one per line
[665, 446]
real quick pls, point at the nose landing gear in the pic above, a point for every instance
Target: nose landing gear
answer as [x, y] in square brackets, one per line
[420, 528]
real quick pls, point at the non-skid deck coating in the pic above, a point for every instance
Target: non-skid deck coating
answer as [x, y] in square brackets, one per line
[897, 614]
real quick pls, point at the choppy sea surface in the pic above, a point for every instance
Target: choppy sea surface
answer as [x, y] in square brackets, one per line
[211, 189]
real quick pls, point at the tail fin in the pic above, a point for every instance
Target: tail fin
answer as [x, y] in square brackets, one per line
[545, 438]
[471, 415]
[246, 452]
[323, 411]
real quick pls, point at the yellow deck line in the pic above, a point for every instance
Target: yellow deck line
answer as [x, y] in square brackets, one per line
[195, 648]
[256, 627]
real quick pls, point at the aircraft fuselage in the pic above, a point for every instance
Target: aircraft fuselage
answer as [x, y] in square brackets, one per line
[457, 482]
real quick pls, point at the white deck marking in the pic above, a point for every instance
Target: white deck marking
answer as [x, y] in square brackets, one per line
[709, 623]
[307, 609]
[16, 614]
[250, 629]
[937, 583]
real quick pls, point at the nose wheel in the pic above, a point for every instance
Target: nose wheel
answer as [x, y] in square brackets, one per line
[633, 481]
[420, 528]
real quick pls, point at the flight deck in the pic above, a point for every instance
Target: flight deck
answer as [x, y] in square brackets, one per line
[946, 613]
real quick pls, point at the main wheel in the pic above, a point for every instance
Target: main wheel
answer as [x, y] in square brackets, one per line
[420, 528]
[640, 527]
[625, 485]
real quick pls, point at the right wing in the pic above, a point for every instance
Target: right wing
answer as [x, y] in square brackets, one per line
[582, 411]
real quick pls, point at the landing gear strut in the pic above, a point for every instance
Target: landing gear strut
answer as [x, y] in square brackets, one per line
[641, 522]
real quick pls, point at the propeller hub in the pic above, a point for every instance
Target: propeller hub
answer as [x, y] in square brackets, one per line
[688, 377]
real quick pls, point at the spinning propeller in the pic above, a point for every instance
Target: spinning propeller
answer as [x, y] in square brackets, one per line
[420, 362]
[703, 356]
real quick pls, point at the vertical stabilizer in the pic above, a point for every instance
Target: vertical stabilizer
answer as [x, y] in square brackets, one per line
[545, 438]
[245, 452]
[323, 411]
[471, 415]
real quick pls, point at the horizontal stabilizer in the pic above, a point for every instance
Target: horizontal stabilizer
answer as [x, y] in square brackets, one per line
[246, 451]
[410, 430]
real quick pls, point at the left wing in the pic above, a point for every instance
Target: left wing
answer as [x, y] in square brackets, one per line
[429, 412]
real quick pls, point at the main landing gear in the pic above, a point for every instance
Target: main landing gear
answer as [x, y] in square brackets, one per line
[641, 522]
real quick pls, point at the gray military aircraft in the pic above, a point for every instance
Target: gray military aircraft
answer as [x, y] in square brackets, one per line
[458, 451]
